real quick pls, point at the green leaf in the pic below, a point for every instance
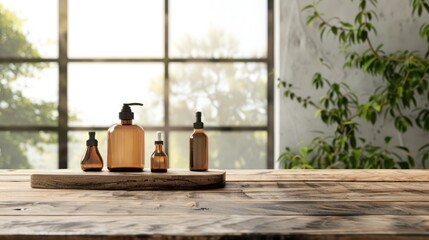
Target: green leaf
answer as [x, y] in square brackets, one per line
[364, 35]
[322, 32]
[405, 149]
[353, 142]
[411, 161]
[389, 163]
[426, 6]
[334, 30]
[312, 17]
[303, 151]
[342, 38]
[362, 5]
[324, 116]
[377, 108]
[346, 24]
[425, 158]
[423, 147]
[404, 165]
[401, 124]
[368, 64]
[358, 18]
[373, 117]
[308, 7]
[316, 114]
[343, 141]
[387, 139]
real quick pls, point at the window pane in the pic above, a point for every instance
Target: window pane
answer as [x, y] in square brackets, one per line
[98, 90]
[116, 28]
[37, 150]
[227, 150]
[77, 147]
[29, 94]
[29, 28]
[218, 29]
[227, 94]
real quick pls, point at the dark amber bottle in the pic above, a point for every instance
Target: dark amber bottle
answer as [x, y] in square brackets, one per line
[158, 159]
[91, 160]
[198, 147]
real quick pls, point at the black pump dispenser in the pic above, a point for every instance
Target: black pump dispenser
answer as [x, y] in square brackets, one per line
[126, 113]
[91, 142]
[198, 124]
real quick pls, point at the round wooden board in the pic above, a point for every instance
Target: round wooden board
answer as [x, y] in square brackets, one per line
[172, 180]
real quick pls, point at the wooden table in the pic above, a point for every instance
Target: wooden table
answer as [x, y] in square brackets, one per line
[257, 204]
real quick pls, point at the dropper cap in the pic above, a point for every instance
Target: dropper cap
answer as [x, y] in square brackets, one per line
[198, 124]
[91, 142]
[158, 139]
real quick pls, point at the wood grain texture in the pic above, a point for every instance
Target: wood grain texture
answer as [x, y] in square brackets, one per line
[197, 207]
[330, 175]
[173, 179]
[233, 191]
[325, 175]
[216, 226]
[254, 204]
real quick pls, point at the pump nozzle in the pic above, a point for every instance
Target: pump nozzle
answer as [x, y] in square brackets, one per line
[198, 124]
[126, 113]
[91, 141]
[158, 139]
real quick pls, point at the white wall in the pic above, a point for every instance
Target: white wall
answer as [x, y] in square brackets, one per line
[300, 49]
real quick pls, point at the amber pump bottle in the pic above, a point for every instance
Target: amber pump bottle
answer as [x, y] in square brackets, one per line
[198, 147]
[158, 159]
[91, 160]
[125, 143]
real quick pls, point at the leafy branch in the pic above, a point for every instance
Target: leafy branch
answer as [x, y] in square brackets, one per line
[404, 89]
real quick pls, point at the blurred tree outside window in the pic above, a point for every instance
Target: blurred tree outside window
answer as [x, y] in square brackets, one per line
[218, 64]
[17, 106]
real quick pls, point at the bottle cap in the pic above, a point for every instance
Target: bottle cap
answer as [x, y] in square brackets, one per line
[198, 124]
[91, 142]
[158, 139]
[126, 113]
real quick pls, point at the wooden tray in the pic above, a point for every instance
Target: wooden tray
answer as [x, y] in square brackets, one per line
[172, 180]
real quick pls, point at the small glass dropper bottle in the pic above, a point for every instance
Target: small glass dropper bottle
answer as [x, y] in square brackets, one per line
[91, 160]
[158, 159]
[198, 147]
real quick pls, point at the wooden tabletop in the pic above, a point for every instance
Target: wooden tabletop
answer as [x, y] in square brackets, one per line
[256, 204]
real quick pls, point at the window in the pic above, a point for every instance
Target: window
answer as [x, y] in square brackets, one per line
[67, 70]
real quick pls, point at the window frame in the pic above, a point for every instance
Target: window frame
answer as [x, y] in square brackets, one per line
[62, 128]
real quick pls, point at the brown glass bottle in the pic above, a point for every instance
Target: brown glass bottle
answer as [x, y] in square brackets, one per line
[158, 159]
[125, 144]
[91, 160]
[198, 147]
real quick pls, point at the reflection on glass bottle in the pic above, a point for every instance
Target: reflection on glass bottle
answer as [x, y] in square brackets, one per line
[158, 159]
[198, 147]
[91, 160]
[125, 143]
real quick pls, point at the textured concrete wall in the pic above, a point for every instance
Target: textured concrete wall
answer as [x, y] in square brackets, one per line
[300, 50]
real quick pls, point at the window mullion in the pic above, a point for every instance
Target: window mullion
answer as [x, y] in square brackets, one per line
[270, 86]
[62, 90]
[166, 78]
